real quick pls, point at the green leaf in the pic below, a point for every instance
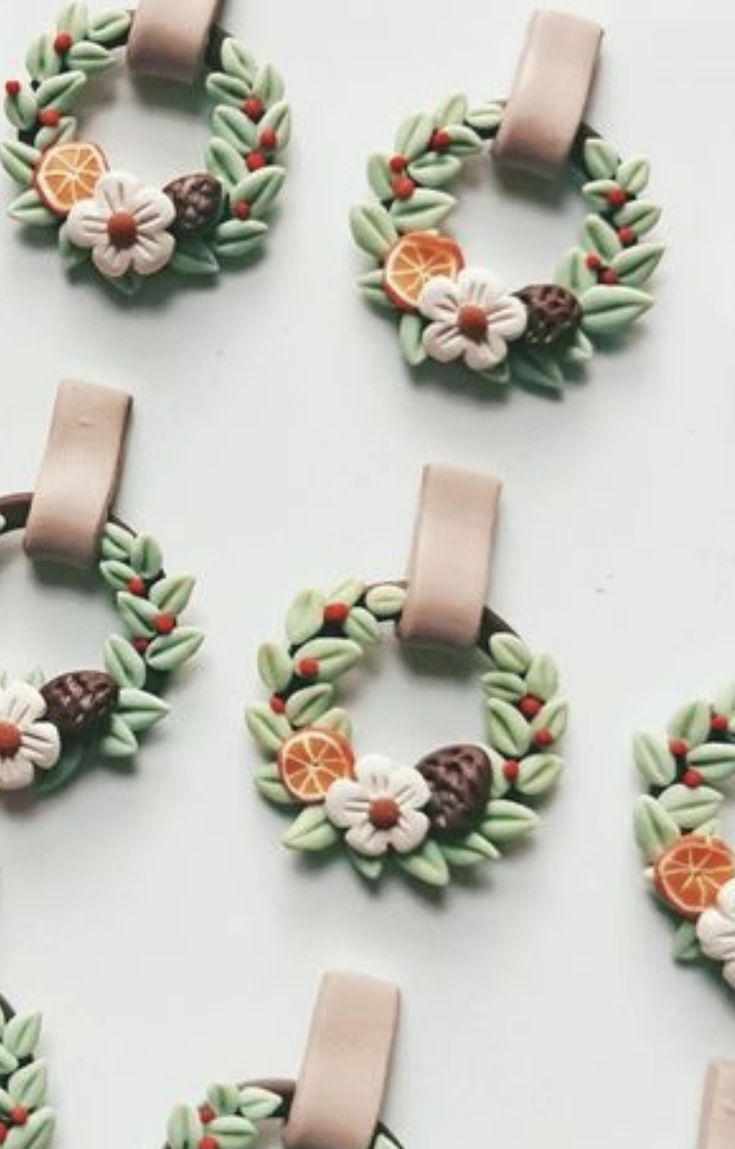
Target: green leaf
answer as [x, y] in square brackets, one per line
[504, 685]
[573, 272]
[69, 764]
[88, 57]
[542, 679]
[580, 350]
[42, 60]
[305, 617]
[715, 761]
[411, 339]
[260, 189]
[110, 27]
[116, 574]
[725, 701]
[138, 615]
[124, 664]
[193, 256]
[119, 742]
[226, 90]
[507, 821]
[22, 1035]
[686, 946]
[362, 627]
[259, 1104]
[117, 542]
[312, 832]
[237, 61]
[552, 719]
[306, 706]
[485, 118]
[655, 829]
[470, 851]
[597, 193]
[74, 19]
[37, 1132]
[28, 1086]
[335, 656]
[386, 601]
[172, 595]
[636, 265]
[539, 774]
[372, 286]
[371, 869]
[689, 808]
[423, 211]
[414, 136]
[691, 723]
[64, 131]
[508, 731]
[599, 236]
[654, 760]
[373, 229]
[146, 557]
[600, 159]
[22, 109]
[275, 666]
[140, 709]
[380, 176]
[60, 91]
[269, 784]
[453, 110]
[236, 239]
[348, 592]
[435, 170]
[427, 865]
[225, 163]
[268, 85]
[640, 215]
[30, 210]
[224, 1099]
[269, 730]
[8, 1063]
[337, 720]
[278, 120]
[609, 310]
[634, 175]
[185, 1129]
[170, 652]
[536, 367]
[19, 161]
[232, 1132]
[509, 652]
[464, 141]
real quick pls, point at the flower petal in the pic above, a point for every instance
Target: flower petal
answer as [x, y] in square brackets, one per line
[486, 354]
[410, 833]
[444, 342]
[347, 804]
[409, 788]
[374, 772]
[152, 253]
[16, 773]
[153, 211]
[439, 299]
[42, 745]
[22, 704]
[112, 262]
[365, 839]
[509, 317]
[86, 223]
[478, 286]
[716, 935]
[117, 191]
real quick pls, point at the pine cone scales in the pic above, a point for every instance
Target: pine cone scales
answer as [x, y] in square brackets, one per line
[460, 778]
[77, 703]
[197, 201]
[554, 314]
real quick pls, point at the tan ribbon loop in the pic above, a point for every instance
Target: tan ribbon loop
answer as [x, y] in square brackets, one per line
[449, 571]
[169, 38]
[550, 93]
[79, 475]
[339, 1094]
[717, 1130]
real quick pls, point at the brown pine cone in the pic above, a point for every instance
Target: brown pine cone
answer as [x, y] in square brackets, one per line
[554, 314]
[197, 201]
[460, 778]
[77, 703]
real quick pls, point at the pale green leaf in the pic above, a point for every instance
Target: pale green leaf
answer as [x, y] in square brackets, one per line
[312, 832]
[655, 829]
[269, 730]
[654, 760]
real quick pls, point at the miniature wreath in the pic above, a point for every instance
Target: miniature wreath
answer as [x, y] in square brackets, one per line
[450, 312]
[460, 805]
[48, 728]
[231, 1117]
[126, 229]
[677, 824]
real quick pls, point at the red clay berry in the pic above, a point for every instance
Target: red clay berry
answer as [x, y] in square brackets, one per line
[440, 141]
[609, 277]
[530, 706]
[692, 779]
[593, 261]
[256, 161]
[679, 748]
[268, 140]
[141, 644]
[627, 236]
[165, 623]
[63, 43]
[336, 612]
[308, 668]
[242, 210]
[278, 706]
[13, 88]
[49, 117]
[719, 723]
[209, 1143]
[207, 1114]
[398, 164]
[544, 738]
[511, 770]
[3, 1133]
[403, 188]
[19, 1115]
[617, 197]
[254, 109]
[136, 586]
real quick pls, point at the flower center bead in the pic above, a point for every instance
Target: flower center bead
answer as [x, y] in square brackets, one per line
[122, 230]
[10, 740]
[385, 813]
[473, 321]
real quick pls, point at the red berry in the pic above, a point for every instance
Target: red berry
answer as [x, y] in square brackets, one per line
[256, 161]
[3, 1133]
[692, 779]
[398, 165]
[720, 723]
[209, 1143]
[141, 644]
[544, 738]
[19, 1115]
[617, 197]
[336, 612]
[530, 706]
[609, 277]
[278, 706]
[136, 586]
[242, 210]
[511, 770]
[49, 118]
[166, 623]
[440, 141]
[268, 140]
[308, 668]
[13, 88]
[63, 43]
[679, 748]
[403, 188]
[594, 262]
[254, 109]
[627, 236]
[207, 1114]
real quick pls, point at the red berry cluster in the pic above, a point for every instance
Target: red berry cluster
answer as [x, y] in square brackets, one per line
[17, 1118]
[207, 1115]
[164, 623]
[530, 707]
[616, 199]
[254, 109]
[403, 186]
[308, 669]
[689, 775]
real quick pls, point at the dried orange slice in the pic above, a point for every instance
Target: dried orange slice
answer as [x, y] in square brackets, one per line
[67, 174]
[690, 874]
[312, 761]
[414, 260]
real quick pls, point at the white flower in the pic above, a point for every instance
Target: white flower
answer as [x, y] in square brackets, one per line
[26, 743]
[125, 224]
[716, 931]
[381, 809]
[472, 319]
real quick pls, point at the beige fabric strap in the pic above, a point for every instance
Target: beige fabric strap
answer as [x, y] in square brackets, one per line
[79, 474]
[168, 38]
[449, 571]
[339, 1094]
[550, 93]
[717, 1130]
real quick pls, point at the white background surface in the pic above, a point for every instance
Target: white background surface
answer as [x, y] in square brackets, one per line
[277, 443]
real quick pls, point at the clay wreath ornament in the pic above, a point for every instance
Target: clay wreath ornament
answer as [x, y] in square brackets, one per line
[450, 311]
[120, 225]
[690, 867]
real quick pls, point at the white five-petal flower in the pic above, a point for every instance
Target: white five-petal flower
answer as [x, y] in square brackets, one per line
[716, 931]
[471, 319]
[126, 226]
[27, 743]
[381, 809]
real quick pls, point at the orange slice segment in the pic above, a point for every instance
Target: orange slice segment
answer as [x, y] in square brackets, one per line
[313, 760]
[690, 874]
[67, 174]
[414, 260]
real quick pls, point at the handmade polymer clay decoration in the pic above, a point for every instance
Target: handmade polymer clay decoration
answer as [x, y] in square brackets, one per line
[452, 312]
[335, 1102]
[459, 806]
[126, 228]
[49, 728]
[677, 823]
